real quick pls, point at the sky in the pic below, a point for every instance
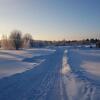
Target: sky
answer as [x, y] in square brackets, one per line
[51, 19]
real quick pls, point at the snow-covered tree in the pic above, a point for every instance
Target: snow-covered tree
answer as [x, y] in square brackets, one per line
[16, 39]
[27, 39]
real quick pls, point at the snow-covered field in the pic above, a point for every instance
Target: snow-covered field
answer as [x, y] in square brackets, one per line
[83, 81]
[86, 62]
[12, 61]
[61, 73]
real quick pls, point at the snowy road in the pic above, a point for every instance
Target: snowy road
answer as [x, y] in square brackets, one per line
[39, 83]
[51, 80]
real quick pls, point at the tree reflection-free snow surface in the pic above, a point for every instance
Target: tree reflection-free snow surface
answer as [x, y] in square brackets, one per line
[65, 74]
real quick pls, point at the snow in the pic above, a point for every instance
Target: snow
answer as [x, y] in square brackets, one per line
[11, 61]
[86, 61]
[85, 73]
[60, 73]
[92, 67]
[65, 65]
[69, 80]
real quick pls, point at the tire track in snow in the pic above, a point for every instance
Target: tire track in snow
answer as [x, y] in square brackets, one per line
[24, 87]
[48, 85]
[49, 82]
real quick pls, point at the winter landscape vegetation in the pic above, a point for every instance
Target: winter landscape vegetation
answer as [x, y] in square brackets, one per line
[50, 50]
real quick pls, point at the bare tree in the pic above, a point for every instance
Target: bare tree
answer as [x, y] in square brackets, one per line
[5, 42]
[16, 39]
[27, 39]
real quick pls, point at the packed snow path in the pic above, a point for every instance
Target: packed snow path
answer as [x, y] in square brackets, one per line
[52, 80]
[39, 83]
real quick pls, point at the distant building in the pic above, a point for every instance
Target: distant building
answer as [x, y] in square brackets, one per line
[98, 44]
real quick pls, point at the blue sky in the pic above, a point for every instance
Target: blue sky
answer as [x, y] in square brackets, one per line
[51, 19]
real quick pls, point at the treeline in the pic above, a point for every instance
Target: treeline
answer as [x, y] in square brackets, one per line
[16, 41]
[89, 42]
